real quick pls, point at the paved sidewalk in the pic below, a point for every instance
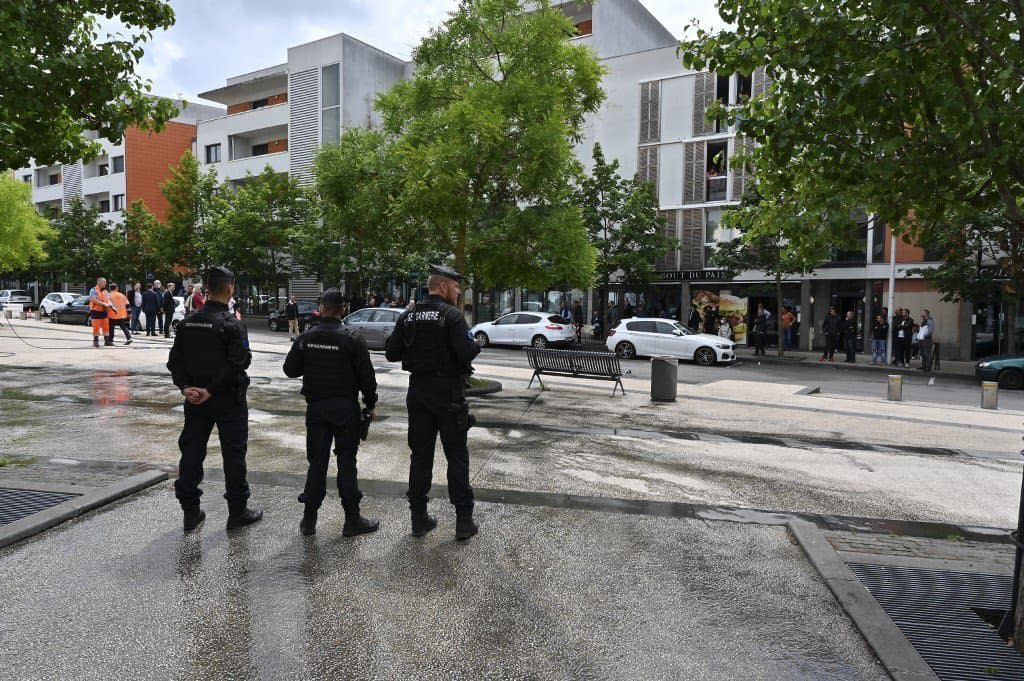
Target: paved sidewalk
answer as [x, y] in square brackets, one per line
[800, 358]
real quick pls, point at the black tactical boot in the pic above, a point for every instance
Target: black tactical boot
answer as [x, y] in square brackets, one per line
[464, 527]
[194, 517]
[243, 516]
[95, 341]
[356, 524]
[308, 524]
[422, 523]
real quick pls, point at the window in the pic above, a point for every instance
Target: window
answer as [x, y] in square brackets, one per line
[641, 327]
[118, 162]
[857, 251]
[213, 153]
[103, 169]
[650, 111]
[878, 241]
[722, 88]
[647, 168]
[259, 149]
[717, 171]
[259, 103]
[27, 179]
[527, 319]
[359, 316]
[744, 87]
[118, 201]
[666, 328]
[330, 104]
[712, 220]
[104, 206]
[54, 178]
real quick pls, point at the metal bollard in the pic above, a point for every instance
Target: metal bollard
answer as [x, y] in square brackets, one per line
[664, 379]
[9, 314]
[24, 313]
[989, 395]
[895, 388]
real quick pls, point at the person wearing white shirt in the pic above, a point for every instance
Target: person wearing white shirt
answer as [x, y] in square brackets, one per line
[924, 339]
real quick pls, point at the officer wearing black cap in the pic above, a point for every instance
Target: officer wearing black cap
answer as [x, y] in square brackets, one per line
[435, 346]
[335, 367]
[208, 363]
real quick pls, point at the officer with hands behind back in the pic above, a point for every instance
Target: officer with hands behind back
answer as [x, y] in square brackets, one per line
[208, 362]
[335, 367]
[435, 346]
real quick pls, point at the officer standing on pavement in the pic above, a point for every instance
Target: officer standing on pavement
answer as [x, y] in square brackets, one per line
[335, 367]
[208, 363]
[435, 346]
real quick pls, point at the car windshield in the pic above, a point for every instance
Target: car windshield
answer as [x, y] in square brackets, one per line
[686, 331]
[555, 319]
[20, 293]
[80, 300]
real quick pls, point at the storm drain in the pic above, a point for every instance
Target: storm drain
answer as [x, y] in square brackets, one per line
[16, 504]
[943, 615]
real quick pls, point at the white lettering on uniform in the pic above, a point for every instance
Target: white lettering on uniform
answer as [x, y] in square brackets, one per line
[318, 346]
[198, 325]
[425, 316]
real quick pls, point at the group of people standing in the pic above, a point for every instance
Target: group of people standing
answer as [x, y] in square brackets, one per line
[908, 337]
[109, 309]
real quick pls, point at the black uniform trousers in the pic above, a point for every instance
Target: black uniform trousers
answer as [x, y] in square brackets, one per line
[336, 420]
[151, 318]
[230, 413]
[429, 403]
[168, 317]
[831, 345]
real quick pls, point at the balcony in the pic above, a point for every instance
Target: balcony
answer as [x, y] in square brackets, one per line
[237, 170]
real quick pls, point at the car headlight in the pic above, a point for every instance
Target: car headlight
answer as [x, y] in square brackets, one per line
[982, 365]
[722, 347]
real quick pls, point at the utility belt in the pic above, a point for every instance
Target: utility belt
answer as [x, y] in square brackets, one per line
[97, 314]
[452, 387]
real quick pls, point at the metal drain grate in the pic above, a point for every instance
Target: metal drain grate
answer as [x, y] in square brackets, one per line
[938, 613]
[16, 504]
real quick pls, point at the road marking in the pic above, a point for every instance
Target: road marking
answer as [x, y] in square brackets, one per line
[931, 381]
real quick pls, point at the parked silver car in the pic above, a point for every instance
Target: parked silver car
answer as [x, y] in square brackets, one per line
[17, 297]
[373, 324]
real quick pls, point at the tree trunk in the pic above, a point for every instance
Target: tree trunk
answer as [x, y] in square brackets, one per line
[778, 313]
[1010, 305]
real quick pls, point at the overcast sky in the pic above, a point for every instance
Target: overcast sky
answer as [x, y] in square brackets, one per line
[211, 41]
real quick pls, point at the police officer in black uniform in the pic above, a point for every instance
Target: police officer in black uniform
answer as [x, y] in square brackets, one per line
[335, 367]
[435, 346]
[208, 363]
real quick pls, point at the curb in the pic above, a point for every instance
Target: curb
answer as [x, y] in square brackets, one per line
[808, 362]
[72, 508]
[893, 649]
[490, 389]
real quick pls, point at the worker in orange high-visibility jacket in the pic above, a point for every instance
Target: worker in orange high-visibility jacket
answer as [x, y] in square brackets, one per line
[99, 310]
[118, 318]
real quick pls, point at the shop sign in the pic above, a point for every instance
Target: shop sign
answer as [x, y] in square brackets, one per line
[695, 275]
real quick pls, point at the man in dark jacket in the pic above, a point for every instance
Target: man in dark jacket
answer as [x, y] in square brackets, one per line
[151, 308]
[849, 330]
[907, 327]
[830, 329]
[710, 320]
[291, 313]
[335, 367]
[169, 305]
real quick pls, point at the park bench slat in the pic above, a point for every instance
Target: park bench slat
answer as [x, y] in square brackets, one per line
[576, 364]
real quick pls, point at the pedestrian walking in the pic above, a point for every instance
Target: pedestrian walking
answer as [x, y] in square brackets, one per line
[759, 329]
[694, 321]
[830, 330]
[577, 320]
[158, 288]
[788, 318]
[879, 338]
[208, 362]
[898, 341]
[907, 327]
[135, 298]
[924, 339]
[710, 319]
[434, 345]
[169, 306]
[118, 317]
[848, 328]
[291, 313]
[99, 312]
[335, 368]
[151, 303]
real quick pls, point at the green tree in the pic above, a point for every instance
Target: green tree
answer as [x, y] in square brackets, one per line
[483, 132]
[74, 248]
[22, 230]
[913, 111]
[182, 241]
[250, 229]
[357, 180]
[124, 254]
[622, 222]
[59, 77]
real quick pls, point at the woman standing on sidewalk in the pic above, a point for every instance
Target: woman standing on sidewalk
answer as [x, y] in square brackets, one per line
[879, 337]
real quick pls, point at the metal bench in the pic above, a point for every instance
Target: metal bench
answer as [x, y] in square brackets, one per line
[575, 364]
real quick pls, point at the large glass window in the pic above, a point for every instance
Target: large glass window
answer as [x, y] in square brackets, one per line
[712, 223]
[213, 153]
[118, 162]
[330, 104]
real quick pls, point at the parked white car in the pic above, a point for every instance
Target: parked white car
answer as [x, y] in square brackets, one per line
[655, 337]
[54, 300]
[16, 297]
[179, 314]
[539, 329]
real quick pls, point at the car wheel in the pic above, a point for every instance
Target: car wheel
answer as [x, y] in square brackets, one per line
[481, 339]
[55, 318]
[625, 350]
[87, 321]
[1011, 379]
[539, 341]
[704, 357]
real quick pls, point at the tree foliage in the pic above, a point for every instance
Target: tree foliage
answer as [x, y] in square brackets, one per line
[74, 249]
[622, 223]
[59, 77]
[181, 241]
[483, 134]
[124, 254]
[911, 110]
[22, 229]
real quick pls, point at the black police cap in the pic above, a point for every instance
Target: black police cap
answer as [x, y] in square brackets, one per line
[331, 297]
[445, 271]
[219, 274]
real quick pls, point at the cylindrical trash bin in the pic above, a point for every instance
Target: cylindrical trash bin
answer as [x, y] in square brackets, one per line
[989, 395]
[895, 388]
[664, 379]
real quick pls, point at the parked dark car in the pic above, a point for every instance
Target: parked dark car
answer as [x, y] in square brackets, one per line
[309, 315]
[75, 312]
[1007, 370]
